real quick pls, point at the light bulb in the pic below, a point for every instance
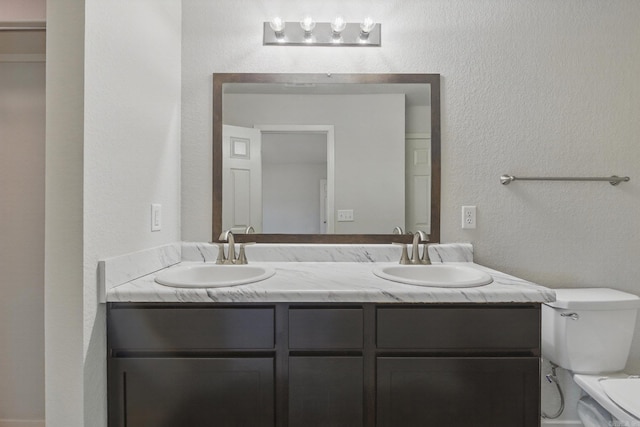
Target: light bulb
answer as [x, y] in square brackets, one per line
[308, 24]
[338, 25]
[277, 25]
[367, 25]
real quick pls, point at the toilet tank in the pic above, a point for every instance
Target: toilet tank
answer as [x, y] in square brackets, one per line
[589, 330]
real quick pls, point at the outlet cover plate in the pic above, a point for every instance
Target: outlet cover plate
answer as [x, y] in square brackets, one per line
[468, 217]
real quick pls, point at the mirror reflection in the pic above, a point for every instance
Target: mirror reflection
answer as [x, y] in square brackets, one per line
[350, 156]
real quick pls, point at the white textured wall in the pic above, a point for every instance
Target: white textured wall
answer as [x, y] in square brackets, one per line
[22, 124]
[528, 87]
[113, 148]
[131, 151]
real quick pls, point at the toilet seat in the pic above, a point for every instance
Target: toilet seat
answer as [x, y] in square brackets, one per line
[625, 392]
[593, 385]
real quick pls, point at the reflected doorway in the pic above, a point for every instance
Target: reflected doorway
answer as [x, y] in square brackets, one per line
[297, 179]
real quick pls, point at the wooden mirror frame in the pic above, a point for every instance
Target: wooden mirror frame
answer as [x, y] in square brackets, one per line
[219, 79]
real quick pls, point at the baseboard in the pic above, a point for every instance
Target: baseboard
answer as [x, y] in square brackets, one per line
[556, 423]
[21, 423]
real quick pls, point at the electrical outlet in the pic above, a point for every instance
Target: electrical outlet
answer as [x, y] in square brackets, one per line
[468, 217]
[156, 217]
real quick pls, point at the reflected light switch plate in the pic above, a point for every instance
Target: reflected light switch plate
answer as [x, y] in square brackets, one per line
[345, 215]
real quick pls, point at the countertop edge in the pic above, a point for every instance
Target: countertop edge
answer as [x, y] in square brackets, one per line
[333, 282]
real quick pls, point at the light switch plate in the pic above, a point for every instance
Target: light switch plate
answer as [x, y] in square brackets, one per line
[345, 215]
[156, 217]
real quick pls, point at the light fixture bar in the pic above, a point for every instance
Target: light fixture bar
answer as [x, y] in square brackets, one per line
[322, 35]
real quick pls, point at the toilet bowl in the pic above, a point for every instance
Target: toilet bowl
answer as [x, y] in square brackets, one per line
[592, 414]
[589, 333]
[622, 401]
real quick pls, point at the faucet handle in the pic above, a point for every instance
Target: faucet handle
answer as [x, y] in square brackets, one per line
[425, 254]
[242, 257]
[404, 258]
[221, 258]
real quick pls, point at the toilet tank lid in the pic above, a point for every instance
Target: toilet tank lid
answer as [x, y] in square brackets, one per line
[594, 299]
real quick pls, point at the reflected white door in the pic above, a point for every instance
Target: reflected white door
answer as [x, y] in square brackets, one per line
[418, 183]
[241, 179]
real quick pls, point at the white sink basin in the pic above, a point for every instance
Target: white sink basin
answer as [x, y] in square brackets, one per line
[213, 275]
[440, 275]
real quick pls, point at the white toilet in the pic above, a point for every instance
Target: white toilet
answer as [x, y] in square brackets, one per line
[589, 332]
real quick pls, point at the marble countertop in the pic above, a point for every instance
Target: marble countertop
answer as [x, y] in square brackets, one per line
[333, 282]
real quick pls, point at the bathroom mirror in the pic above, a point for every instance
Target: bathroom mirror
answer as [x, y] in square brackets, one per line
[326, 158]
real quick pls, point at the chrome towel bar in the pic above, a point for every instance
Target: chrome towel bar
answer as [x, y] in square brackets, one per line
[23, 25]
[613, 180]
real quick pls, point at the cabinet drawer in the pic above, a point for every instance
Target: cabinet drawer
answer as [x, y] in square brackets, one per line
[325, 328]
[459, 328]
[191, 328]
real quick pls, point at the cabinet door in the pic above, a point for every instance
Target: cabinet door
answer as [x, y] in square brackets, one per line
[458, 392]
[191, 392]
[325, 391]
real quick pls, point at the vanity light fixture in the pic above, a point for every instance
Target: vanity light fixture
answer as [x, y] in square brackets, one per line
[310, 33]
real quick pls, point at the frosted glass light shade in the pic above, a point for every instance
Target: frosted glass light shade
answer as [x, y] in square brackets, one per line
[338, 25]
[367, 25]
[308, 24]
[277, 24]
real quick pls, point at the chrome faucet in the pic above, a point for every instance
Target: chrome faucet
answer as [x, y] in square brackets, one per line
[226, 236]
[420, 237]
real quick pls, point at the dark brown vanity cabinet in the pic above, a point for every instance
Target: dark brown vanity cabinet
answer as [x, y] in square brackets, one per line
[304, 365]
[197, 366]
[458, 366]
[325, 366]
[192, 391]
[457, 391]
